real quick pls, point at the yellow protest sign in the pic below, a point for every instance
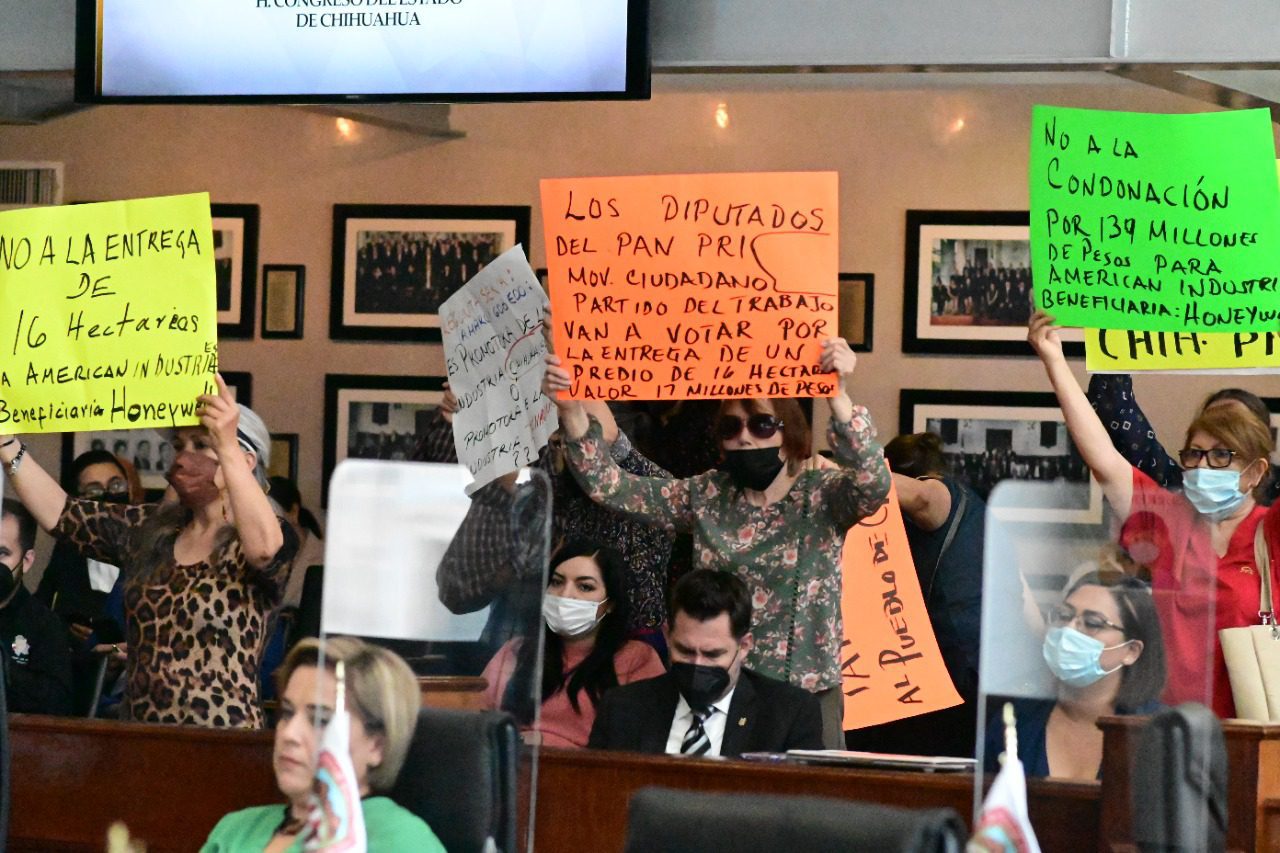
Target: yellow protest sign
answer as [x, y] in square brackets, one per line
[890, 665]
[1129, 351]
[107, 315]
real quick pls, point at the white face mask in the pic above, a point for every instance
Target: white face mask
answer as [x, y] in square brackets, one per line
[570, 617]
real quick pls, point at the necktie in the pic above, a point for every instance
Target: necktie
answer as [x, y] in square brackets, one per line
[696, 741]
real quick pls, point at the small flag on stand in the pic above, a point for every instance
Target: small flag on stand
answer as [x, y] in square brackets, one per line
[1004, 826]
[336, 820]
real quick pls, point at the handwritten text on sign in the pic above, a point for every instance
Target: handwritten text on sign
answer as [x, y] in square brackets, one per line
[495, 356]
[107, 315]
[1158, 222]
[890, 666]
[693, 286]
[1125, 351]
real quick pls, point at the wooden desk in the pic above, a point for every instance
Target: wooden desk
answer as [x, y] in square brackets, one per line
[71, 779]
[460, 692]
[1253, 784]
[583, 796]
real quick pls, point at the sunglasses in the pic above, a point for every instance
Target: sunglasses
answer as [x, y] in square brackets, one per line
[1217, 457]
[760, 425]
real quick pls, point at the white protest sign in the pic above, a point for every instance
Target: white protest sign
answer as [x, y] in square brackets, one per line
[494, 350]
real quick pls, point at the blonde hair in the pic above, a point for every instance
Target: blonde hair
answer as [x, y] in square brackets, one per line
[381, 690]
[1243, 433]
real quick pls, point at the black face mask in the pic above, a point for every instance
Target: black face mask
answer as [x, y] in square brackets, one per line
[7, 581]
[700, 685]
[752, 469]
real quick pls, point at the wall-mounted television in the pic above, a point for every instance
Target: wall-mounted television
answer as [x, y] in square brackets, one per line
[342, 51]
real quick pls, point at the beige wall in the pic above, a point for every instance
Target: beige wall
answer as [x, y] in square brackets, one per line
[894, 150]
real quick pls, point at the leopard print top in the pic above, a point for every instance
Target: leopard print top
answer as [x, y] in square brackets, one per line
[195, 632]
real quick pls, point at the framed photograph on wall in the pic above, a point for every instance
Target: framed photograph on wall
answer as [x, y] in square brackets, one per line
[282, 300]
[241, 384]
[375, 417]
[967, 288]
[235, 263]
[990, 436]
[857, 309]
[393, 265]
[284, 456]
[148, 450]
[1273, 403]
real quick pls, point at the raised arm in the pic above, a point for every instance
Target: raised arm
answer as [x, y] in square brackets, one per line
[652, 499]
[256, 523]
[38, 491]
[926, 502]
[862, 485]
[1112, 471]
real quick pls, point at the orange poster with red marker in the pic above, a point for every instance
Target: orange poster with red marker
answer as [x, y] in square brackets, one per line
[693, 286]
[890, 665]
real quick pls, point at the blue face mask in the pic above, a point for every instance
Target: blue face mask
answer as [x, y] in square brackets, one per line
[1075, 658]
[1214, 492]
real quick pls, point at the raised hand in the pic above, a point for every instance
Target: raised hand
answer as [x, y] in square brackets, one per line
[220, 415]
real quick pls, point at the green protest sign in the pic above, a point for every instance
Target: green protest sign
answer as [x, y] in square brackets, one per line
[1155, 222]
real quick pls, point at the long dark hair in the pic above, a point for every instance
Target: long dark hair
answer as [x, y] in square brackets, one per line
[596, 673]
[152, 542]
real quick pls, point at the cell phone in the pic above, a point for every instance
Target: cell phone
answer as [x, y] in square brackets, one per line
[108, 630]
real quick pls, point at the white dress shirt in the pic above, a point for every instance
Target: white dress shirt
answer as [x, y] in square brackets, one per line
[713, 725]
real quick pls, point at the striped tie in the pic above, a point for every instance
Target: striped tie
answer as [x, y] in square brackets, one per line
[696, 741]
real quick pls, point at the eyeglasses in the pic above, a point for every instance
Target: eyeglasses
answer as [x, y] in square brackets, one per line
[1218, 457]
[1091, 621]
[760, 425]
[115, 487]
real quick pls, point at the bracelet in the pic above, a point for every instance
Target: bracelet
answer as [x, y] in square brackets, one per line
[17, 459]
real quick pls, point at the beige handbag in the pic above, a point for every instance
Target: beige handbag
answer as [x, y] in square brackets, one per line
[1253, 652]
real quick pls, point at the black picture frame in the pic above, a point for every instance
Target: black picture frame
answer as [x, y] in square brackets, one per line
[343, 392]
[241, 382]
[405, 307]
[283, 301]
[1025, 415]
[235, 252]
[946, 321]
[857, 299]
[1273, 403]
[284, 456]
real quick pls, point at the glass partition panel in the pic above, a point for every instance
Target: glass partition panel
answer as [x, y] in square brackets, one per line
[1084, 620]
[452, 584]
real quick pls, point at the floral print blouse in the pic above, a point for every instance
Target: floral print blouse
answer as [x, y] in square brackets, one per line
[787, 553]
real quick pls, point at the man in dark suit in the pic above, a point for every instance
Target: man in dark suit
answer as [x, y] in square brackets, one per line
[708, 704]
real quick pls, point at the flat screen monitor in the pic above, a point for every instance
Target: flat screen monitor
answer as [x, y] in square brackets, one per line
[342, 51]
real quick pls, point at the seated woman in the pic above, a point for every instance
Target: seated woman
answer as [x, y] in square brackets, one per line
[1107, 655]
[1205, 577]
[201, 575]
[586, 650]
[382, 700]
[769, 514]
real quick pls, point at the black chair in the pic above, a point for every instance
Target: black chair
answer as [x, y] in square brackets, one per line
[460, 777]
[663, 820]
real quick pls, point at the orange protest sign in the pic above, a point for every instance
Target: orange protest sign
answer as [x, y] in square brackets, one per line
[693, 286]
[890, 666]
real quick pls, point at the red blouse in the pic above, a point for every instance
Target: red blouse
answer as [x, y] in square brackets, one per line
[1196, 592]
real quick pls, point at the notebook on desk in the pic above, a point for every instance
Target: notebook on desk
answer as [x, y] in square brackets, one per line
[883, 760]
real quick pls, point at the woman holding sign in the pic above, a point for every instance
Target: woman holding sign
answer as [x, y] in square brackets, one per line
[768, 513]
[1205, 577]
[202, 574]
